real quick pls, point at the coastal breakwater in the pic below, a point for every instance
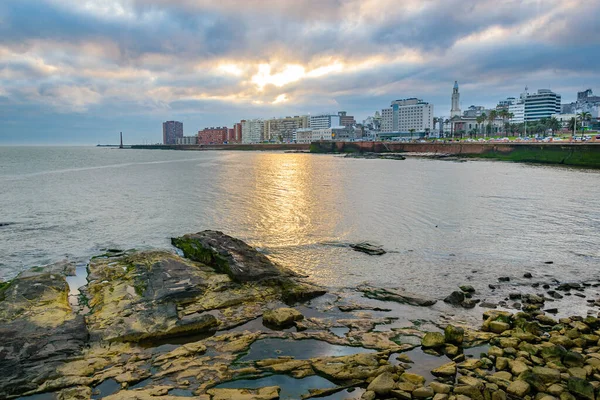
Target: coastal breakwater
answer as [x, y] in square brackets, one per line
[577, 154]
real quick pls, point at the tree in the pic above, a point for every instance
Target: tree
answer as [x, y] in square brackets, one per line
[447, 121]
[491, 119]
[480, 120]
[435, 121]
[504, 115]
[412, 130]
[554, 124]
[483, 119]
[583, 117]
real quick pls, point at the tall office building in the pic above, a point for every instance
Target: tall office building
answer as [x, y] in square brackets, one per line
[171, 131]
[542, 104]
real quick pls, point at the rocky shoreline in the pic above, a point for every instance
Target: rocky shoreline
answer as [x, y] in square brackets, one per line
[222, 321]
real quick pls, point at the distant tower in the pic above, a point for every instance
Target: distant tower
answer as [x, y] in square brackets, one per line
[455, 111]
[121, 145]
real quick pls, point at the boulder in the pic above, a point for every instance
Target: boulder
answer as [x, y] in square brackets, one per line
[454, 334]
[432, 340]
[581, 388]
[455, 298]
[445, 370]
[499, 326]
[382, 384]
[227, 255]
[397, 295]
[39, 330]
[265, 393]
[368, 248]
[518, 388]
[467, 288]
[281, 317]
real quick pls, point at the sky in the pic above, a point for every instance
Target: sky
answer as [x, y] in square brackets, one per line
[81, 71]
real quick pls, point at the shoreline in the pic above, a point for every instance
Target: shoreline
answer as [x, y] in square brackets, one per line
[154, 324]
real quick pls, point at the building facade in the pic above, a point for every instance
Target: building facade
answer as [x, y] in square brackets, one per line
[253, 131]
[324, 121]
[187, 140]
[542, 104]
[212, 135]
[346, 120]
[171, 131]
[406, 115]
[283, 129]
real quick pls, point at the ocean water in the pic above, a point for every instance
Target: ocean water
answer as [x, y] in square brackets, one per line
[444, 223]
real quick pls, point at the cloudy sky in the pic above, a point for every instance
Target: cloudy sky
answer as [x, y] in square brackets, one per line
[80, 71]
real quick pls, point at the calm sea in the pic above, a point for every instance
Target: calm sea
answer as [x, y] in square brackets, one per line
[439, 220]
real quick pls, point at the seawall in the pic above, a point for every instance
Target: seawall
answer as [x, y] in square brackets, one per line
[242, 147]
[580, 154]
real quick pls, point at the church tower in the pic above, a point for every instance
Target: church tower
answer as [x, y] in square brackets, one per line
[455, 111]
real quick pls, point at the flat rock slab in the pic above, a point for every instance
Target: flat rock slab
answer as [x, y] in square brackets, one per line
[397, 295]
[39, 330]
[227, 255]
[368, 248]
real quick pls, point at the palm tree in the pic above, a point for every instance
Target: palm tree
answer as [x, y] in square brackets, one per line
[491, 119]
[554, 124]
[504, 115]
[435, 121]
[412, 130]
[583, 117]
[447, 121]
[480, 120]
[483, 119]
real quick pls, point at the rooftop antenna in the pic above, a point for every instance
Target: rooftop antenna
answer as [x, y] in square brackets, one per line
[121, 145]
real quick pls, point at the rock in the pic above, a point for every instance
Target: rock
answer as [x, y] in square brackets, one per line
[456, 298]
[454, 335]
[573, 359]
[369, 395]
[75, 393]
[353, 367]
[432, 340]
[445, 370]
[580, 388]
[150, 284]
[401, 395]
[518, 388]
[527, 275]
[504, 279]
[382, 384]
[439, 387]
[227, 255]
[423, 393]
[368, 248]
[499, 326]
[265, 393]
[467, 288]
[547, 375]
[396, 295]
[412, 378]
[39, 330]
[281, 317]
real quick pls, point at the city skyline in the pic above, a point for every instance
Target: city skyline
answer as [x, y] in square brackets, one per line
[81, 72]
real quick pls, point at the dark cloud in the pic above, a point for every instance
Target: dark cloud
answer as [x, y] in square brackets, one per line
[133, 63]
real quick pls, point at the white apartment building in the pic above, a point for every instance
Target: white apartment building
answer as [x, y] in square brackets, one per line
[405, 115]
[252, 131]
[282, 129]
[324, 121]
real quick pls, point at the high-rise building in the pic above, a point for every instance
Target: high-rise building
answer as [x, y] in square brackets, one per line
[455, 111]
[542, 104]
[253, 131]
[171, 131]
[237, 133]
[406, 115]
[212, 135]
[324, 121]
[282, 129]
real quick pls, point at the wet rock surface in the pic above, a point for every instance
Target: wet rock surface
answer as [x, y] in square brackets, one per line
[160, 326]
[368, 248]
